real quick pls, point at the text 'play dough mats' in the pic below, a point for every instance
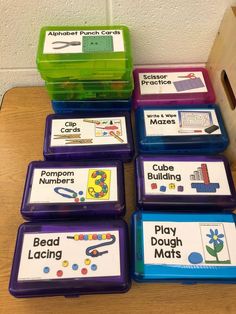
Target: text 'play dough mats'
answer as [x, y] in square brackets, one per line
[179, 86]
[94, 136]
[70, 259]
[60, 190]
[188, 248]
[71, 53]
[180, 130]
[184, 183]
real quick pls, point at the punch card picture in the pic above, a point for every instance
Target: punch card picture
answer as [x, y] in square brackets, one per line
[189, 243]
[74, 185]
[70, 255]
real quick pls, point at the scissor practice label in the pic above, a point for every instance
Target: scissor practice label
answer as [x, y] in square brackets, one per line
[189, 243]
[171, 83]
[185, 178]
[83, 41]
[181, 122]
[69, 255]
[70, 185]
[88, 131]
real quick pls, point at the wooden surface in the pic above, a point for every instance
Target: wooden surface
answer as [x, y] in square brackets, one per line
[223, 58]
[22, 120]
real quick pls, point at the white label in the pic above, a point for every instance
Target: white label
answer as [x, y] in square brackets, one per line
[181, 122]
[69, 185]
[88, 132]
[185, 178]
[172, 83]
[83, 41]
[65, 255]
[189, 243]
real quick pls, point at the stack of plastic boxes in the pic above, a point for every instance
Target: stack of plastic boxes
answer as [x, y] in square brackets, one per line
[86, 68]
[181, 231]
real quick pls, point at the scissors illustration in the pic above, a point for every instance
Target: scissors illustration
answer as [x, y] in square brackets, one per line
[66, 44]
[190, 76]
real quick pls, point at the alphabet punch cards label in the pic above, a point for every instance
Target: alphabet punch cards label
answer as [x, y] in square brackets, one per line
[94, 136]
[65, 190]
[70, 259]
[204, 182]
[199, 246]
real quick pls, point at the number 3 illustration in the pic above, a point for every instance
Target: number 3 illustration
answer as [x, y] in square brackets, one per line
[97, 187]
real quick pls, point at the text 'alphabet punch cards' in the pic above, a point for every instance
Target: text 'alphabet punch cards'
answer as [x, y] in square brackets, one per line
[96, 136]
[184, 183]
[70, 259]
[63, 190]
[187, 248]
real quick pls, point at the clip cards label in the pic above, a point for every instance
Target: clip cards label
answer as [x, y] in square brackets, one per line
[69, 185]
[47, 256]
[189, 243]
[181, 122]
[87, 132]
[185, 178]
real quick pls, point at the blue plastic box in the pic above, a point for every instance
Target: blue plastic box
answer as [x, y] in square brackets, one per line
[64, 107]
[181, 130]
[187, 248]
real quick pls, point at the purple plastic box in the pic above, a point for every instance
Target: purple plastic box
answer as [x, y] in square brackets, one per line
[184, 183]
[63, 190]
[172, 86]
[70, 259]
[97, 136]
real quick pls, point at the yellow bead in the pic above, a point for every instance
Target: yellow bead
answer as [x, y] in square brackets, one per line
[87, 261]
[90, 237]
[104, 237]
[65, 263]
[76, 237]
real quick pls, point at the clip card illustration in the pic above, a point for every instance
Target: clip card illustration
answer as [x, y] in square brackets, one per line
[201, 174]
[109, 127]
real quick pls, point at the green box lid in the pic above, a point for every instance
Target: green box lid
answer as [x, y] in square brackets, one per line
[84, 52]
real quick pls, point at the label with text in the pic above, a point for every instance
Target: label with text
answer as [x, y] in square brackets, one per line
[172, 83]
[88, 132]
[185, 178]
[83, 41]
[189, 243]
[47, 256]
[181, 122]
[69, 185]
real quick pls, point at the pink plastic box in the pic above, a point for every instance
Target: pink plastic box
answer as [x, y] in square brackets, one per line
[180, 86]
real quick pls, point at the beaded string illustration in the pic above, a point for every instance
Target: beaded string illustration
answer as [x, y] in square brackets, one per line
[92, 250]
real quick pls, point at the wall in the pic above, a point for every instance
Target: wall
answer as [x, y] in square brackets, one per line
[162, 31]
